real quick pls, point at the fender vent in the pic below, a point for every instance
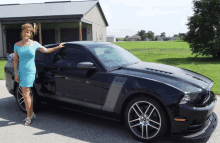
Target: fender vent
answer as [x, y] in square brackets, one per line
[197, 78]
[159, 71]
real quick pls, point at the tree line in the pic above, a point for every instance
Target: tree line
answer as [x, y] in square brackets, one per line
[150, 34]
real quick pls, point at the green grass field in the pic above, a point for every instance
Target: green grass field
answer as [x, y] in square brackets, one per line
[171, 53]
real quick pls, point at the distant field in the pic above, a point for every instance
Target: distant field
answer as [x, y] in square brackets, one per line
[153, 45]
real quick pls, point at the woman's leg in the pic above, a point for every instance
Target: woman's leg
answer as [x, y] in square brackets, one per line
[27, 99]
[31, 103]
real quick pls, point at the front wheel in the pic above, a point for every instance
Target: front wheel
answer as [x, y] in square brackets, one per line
[20, 99]
[145, 119]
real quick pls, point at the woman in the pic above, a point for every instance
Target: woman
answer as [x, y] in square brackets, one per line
[24, 53]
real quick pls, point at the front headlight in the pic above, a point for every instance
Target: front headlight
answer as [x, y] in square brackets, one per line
[188, 97]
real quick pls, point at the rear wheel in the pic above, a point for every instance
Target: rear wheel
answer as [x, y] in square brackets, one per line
[20, 99]
[145, 119]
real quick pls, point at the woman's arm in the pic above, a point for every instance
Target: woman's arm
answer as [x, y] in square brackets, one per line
[50, 50]
[16, 59]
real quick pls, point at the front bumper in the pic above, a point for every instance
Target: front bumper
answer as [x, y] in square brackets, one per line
[209, 128]
[199, 122]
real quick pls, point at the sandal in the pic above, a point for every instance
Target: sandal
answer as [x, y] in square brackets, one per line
[32, 116]
[28, 121]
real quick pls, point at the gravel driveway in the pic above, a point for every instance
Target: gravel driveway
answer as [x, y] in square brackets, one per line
[55, 124]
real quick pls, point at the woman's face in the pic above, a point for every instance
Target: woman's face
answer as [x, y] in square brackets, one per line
[26, 34]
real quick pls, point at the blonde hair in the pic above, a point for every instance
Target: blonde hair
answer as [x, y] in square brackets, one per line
[32, 29]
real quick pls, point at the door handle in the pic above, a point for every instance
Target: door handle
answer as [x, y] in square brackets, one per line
[86, 81]
[59, 76]
[66, 77]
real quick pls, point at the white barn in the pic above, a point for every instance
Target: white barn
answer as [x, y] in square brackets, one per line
[110, 38]
[59, 21]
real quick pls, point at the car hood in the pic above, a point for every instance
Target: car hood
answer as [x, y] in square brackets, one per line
[175, 76]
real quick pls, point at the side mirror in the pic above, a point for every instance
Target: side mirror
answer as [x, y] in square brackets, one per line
[86, 66]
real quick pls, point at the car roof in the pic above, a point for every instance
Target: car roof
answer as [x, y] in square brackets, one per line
[89, 43]
[86, 44]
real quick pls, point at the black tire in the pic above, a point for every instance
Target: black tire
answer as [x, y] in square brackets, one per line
[143, 123]
[20, 100]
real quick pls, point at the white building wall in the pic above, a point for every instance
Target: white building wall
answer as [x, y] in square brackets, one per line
[98, 24]
[89, 33]
[94, 15]
[98, 33]
[110, 39]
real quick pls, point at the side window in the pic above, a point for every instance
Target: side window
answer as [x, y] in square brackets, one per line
[70, 56]
[55, 56]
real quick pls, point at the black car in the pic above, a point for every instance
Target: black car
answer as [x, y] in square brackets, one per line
[101, 78]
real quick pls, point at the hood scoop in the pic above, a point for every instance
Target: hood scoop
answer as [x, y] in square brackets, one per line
[158, 71]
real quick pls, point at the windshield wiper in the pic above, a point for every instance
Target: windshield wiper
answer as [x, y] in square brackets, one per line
[134, 63]
[118, 68]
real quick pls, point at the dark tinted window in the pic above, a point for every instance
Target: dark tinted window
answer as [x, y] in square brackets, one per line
[70, 56]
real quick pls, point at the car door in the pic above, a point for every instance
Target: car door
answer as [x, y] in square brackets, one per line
[42, 80]
[72, 84]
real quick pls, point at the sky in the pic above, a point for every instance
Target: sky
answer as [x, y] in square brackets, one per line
[127, 17]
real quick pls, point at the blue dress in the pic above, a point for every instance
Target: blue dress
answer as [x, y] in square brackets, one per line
[27, 67]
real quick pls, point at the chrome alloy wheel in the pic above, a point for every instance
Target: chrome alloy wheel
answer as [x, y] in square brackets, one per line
[20, 98]
[144, 119]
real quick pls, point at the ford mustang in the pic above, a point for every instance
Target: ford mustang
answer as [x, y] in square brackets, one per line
[150, 99]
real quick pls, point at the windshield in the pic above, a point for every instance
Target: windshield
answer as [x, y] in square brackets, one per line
[113, 56]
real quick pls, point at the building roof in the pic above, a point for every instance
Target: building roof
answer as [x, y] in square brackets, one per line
[135, 36]
[67, 8]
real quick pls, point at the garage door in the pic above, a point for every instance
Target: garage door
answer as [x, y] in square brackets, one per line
[72, 34]
[48, 36]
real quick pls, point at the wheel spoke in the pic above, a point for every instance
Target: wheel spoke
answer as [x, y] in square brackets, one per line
[21, 102]
[142, 131]
[136, 112]
[151, 113]
[134, 120]
[19, 91]
[147, 131]
[20, 88]
[136, 125]
[147, 109]
[139, 108]
[153, 126]
[154, 121]
[20, 99]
